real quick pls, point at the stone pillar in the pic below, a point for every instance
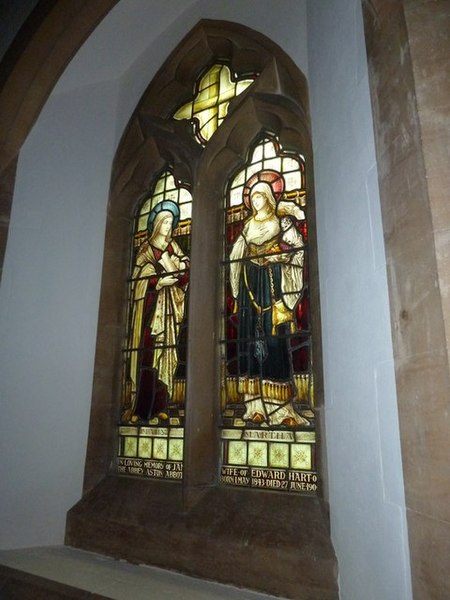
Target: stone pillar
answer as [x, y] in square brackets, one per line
[408, 46]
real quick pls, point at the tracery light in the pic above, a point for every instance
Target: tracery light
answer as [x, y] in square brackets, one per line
[215, 89]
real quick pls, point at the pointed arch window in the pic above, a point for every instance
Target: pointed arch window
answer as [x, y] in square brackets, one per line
[234, 407]
[268, 438]
[266, 384]
[154, 371]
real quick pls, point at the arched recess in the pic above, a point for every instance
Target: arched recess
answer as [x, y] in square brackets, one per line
[52, 34]
[276, 103]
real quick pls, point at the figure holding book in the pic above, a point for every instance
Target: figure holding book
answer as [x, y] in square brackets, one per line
[160, 280]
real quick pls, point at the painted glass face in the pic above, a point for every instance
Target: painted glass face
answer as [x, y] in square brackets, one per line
[268, 435]
[258, 201]
[212, 95]
[151, 426]
[166, 225]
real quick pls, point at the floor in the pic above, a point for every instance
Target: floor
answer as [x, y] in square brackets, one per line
[116, 579]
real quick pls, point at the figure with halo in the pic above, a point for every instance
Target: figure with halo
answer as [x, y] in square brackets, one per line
[160, 280]
[266, 280]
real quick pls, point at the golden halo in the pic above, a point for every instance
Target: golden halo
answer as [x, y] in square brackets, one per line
[273, 178]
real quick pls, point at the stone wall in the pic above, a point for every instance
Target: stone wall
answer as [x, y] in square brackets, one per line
[408, 48]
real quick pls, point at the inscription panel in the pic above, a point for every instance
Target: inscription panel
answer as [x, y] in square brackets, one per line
[272, 460]
[151, 452]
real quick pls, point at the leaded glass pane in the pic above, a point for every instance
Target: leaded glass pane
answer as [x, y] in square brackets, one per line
[213, 93]
[154, 375]
[268, 435]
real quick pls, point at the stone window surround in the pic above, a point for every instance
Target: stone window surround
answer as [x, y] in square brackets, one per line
[276, 102]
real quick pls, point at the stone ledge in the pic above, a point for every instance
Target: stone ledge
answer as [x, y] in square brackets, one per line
[18, 585]
[267, 541]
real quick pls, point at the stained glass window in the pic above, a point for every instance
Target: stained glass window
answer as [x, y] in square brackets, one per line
[154, 375]
[268, 436]
[213, 93]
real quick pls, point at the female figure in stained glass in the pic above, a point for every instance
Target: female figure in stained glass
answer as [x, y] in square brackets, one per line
[160, 283]
[266, 283]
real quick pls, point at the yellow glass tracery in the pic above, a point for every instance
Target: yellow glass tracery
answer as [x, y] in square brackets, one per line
[210, 106]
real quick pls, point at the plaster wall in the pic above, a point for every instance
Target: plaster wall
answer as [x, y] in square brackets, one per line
[364, 460]
[49, 300]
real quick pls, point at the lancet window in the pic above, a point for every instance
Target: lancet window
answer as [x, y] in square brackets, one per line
[268, 437]
[154, 377]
